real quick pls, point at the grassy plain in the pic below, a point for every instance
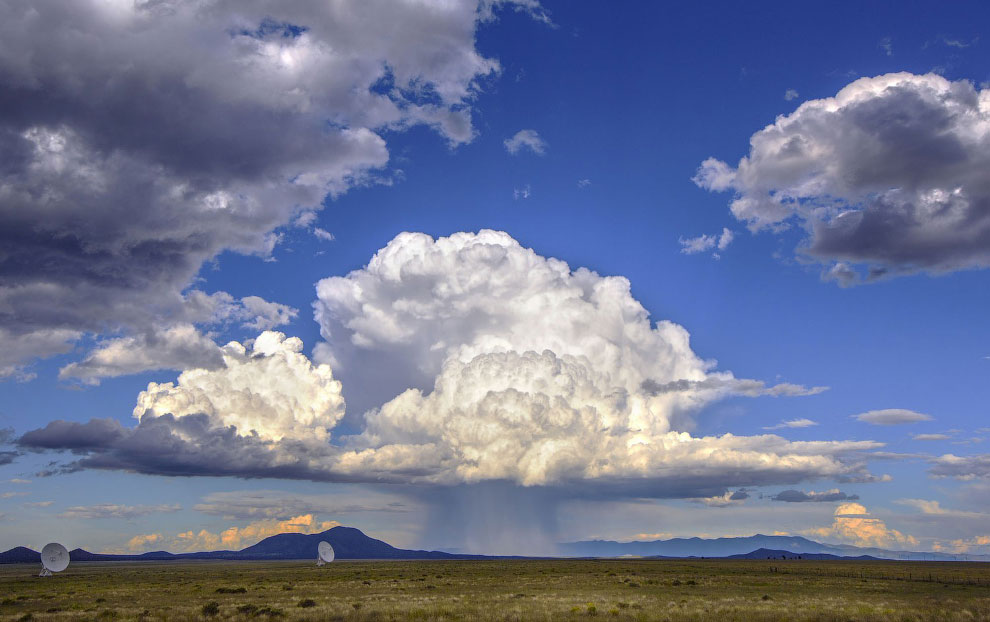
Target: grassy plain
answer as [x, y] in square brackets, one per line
[500, 590]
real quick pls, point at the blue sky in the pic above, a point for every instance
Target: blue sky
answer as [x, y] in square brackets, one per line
[628, 104]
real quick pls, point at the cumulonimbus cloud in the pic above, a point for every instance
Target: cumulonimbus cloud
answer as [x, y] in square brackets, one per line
[510, 366]
[887, 177]
[853, 524]
[123, 172]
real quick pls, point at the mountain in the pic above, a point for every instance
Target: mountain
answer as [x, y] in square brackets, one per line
[727, 547]
[347, 542]
[20, 555]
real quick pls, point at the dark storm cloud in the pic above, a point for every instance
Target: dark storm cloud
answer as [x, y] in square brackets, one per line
[193, 445]
[139, 139]
[798, 496]
[888, 177]
[94, 435]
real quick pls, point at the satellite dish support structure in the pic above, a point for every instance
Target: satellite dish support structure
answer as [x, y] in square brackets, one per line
[54, 558]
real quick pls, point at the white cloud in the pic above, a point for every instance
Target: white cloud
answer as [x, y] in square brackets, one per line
[964, 545]
[891, 416]
[583, 183]
[177, 347]
[792, 423]
[265, 387]
[931, 437]
[887, 177]
[790, 94]
[323, 234]
[521, 193]
[704, 243]
[569, 375]
[143, 542]
[523, 140]
[926, 506]
[260, 314]
[725, 500]
[181, 345]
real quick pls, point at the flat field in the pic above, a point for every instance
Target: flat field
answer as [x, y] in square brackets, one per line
[500, 590]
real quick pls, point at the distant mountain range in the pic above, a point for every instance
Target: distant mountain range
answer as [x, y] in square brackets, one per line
[347, 542]
[350, 543]
[743, 546]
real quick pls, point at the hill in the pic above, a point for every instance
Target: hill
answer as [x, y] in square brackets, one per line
[775, 554]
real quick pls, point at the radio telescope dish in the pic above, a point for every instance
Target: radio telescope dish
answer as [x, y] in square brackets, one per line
[54, 558]
[324, 553]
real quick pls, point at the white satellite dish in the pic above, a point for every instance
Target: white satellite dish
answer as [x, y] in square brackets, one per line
[324, 553]
[54, 558]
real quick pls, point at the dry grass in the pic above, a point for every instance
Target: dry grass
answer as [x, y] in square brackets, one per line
[501, 590]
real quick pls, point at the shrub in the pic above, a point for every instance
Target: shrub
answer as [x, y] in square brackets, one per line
[211, 609]
[271, 612]
[231, 590]
[309, 602]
